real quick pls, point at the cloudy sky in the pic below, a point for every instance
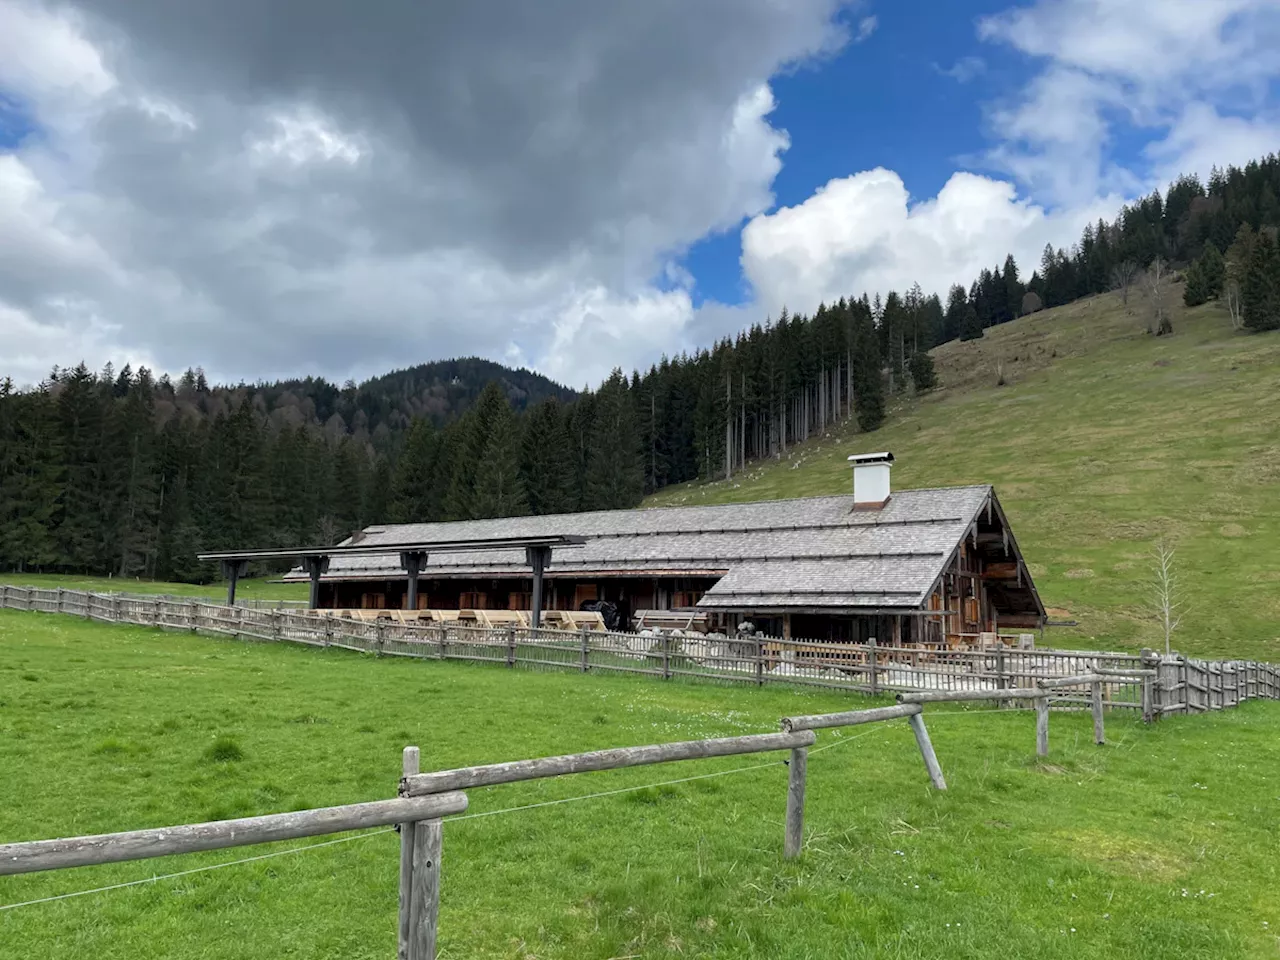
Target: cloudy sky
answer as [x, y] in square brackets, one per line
[320, 186]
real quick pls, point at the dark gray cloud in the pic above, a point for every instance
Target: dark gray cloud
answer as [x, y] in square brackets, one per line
[319, 185]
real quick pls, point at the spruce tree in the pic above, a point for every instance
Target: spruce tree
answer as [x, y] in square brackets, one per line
[923, 375]
[414, 497]
[971, 326]
[1260, 290]
[546, 464]
[1196, 290]
[499, 487]
[868, 387]
[614, 477]
[1213, 269]
[472, 441]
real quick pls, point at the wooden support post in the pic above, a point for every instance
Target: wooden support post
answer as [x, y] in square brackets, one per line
[316, 566]
[926, 750]
[759, 662]
[872, 662]
[1042, 726]
[1095, 695]
[586, 651]
[666, 657]
[538, 558]
[412, 561]
[410, 767]
[511, 646]
[424, 910]
[799, 766]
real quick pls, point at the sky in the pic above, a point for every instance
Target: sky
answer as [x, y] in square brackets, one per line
[315, 187]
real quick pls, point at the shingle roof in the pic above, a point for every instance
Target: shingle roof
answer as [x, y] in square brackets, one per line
[816, 552]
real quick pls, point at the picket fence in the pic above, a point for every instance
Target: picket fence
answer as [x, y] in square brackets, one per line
[1175, 684]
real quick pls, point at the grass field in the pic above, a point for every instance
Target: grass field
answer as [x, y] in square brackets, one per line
[249, 588]
[1162, 844]
[1102, 440]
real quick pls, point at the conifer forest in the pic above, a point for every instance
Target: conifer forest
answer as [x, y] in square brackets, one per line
[127, 473]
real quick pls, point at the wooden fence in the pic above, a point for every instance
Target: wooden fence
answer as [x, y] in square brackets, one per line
[1172, 684]
[426, 798]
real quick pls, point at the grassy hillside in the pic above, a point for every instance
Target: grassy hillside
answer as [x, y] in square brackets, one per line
[1159, 845]
[1101, 440]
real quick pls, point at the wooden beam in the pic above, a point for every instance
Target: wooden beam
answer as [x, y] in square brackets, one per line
[850, 718]
[193, 837]
[490, 774]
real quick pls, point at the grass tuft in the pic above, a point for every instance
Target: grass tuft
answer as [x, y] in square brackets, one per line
[224, 750]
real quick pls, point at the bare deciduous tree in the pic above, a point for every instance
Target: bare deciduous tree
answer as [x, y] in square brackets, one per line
[1157, 289]
[1165, 603]
[1235, 306]
[1122, 279]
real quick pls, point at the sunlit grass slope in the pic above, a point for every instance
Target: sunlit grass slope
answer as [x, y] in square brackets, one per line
[1101, 440]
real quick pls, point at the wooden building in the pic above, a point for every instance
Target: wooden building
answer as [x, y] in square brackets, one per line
[933, 566]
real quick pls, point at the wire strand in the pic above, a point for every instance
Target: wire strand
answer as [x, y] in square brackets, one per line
[204, 869]
[466, 816]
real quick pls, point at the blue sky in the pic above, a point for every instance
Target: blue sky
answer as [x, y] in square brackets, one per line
[316, 187]
[896, 99]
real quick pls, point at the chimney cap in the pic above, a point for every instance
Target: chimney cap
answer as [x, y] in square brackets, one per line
[867, 458]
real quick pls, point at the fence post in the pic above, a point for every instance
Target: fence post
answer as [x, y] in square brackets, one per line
[379, 636]
[275, 625]
[799, 766]
[1002, 682]
[872, 660]
[191, 614]
[59, 606]
[759, 662]
[4, 596]
[926, 750]
[666, 657]
[115, 608]
[424, 908]
[586, 649]
[1095, 694]
[1042, 725]
[1147, 660]
[511, 646]
[409, 767]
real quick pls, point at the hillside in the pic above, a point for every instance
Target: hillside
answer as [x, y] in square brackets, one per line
[1102, 440]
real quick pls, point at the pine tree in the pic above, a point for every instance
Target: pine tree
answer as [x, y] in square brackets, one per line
[868, 388]
[1013, 289]
[546, 464]
[1196, 290]
[414, 498]
[953, 320]
[923, 375]
[473, 435]
[614, 476]
[1260, 290]
[499, 487]
[971, 326]
[1214, 270]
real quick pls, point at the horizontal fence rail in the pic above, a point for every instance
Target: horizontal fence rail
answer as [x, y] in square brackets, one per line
[35, 855]
[1154, 685]
[423, 784]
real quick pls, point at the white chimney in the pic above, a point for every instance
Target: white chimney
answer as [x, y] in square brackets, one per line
[871, 480]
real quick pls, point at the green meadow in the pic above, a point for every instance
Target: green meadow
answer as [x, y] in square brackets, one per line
[1161, 844]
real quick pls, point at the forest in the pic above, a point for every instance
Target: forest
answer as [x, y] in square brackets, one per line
[129, 474]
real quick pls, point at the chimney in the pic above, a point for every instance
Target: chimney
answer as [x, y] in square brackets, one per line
[871, 480]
